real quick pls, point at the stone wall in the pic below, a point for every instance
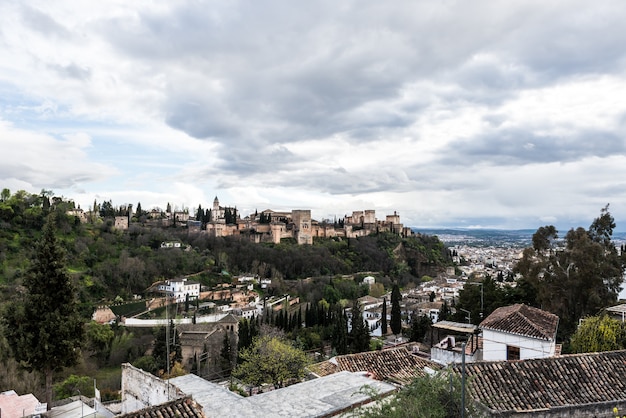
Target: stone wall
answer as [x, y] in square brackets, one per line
[141, 389]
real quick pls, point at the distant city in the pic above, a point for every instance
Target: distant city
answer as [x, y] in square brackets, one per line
[521, 238]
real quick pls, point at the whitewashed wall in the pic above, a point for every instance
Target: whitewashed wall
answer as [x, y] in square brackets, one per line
[495, 343]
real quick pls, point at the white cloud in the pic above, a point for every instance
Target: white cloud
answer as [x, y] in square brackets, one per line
[450, 113]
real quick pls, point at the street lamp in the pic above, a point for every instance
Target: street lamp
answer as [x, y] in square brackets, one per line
[80, 398]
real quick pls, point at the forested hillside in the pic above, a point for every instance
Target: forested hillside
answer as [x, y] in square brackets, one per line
[107, 263]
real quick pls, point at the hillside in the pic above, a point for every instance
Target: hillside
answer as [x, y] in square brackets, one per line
[108, 263]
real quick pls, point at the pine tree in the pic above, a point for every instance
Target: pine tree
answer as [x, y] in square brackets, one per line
[44, 328]
[396, 319]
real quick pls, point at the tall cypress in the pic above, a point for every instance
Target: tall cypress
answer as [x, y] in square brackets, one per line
[44, 328]
[360, 333]
[340, 332]
[396, 319]
[384, 319]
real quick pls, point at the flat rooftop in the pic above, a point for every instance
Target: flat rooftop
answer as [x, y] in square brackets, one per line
[321, 397]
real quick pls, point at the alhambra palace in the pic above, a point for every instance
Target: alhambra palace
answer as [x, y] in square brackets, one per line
[268, 225]
[297, 224]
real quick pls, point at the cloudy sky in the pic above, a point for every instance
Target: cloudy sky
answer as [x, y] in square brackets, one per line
[452, 113]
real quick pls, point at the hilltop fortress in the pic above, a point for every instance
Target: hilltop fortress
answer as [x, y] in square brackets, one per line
[265, 226]
[272, 226]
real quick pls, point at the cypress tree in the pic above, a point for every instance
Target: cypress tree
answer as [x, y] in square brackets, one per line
[299, 319]
[244, 334]
[226, 354]
[396, 319]
[339, 339]
[384, 318]
[44, 328]
[359, 334]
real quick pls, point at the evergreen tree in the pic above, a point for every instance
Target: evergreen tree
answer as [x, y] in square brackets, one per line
[359, 333]
[245, 338]
[419, 327]
[161, 347]
[445, 312]
[44, 328]
[383, 326]
[396, 319]
[139, 212]
[299, 319]
[226, 353]
[339, 339]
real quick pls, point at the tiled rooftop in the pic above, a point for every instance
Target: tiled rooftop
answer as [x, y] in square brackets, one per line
[523, 320]
[396, 365]
[180, 408]
[526, 385]
[13, 405]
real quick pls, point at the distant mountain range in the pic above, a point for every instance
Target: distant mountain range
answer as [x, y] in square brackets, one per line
[520, 238]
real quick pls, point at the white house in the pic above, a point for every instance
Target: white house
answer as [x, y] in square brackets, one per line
[519, 332]
[369, 280]
[180, 288]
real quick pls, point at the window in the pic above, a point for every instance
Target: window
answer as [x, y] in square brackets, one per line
[512, 353]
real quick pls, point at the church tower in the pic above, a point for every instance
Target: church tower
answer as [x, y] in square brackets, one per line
[215, 213]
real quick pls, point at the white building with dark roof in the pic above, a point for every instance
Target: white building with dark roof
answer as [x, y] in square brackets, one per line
[519, 332]
[180, 288]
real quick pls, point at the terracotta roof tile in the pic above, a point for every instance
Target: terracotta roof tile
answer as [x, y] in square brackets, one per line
[397, 365]
[180, 408]
[523, 320]
[554, 382]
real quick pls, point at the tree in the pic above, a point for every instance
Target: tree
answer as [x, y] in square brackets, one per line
[479, 300]
[226, 353]
[445, 312]
[271, 360]
[359, 332]
[99, 340]
[340, 332]
[376, 290]
[426, 397]
[578, 278]
[419, 327]
[161, 348]
[107, 210]
[139, 213]
[44, 329]
[74, 383]
[396, 319]
[384, 318]
[599, 333]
